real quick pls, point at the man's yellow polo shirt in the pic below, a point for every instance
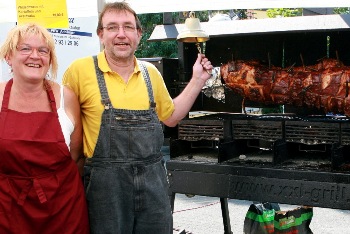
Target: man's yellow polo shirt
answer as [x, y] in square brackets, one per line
[81, 77]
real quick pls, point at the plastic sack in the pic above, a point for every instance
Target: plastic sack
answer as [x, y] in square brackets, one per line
[264, 218]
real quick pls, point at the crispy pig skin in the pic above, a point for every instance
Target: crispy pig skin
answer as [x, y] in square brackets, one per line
[324, 85]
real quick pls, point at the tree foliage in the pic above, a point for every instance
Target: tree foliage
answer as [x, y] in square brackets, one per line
[341, 10]
[148, 49]
[290, 12]
[283, 12]
[167, 49]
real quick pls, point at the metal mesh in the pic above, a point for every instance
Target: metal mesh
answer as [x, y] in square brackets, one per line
[312, 133]
[194, 130]
[257, 129]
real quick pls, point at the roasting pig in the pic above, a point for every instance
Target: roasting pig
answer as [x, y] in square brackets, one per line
[324, 85]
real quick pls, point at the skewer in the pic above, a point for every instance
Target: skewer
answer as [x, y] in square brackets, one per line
[321, 60]
[337, 55]
[347, 84]
[346, 89]
[302, 60]
[243, 106]
[291, 67]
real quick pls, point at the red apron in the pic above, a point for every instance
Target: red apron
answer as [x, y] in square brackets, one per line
[41, 191]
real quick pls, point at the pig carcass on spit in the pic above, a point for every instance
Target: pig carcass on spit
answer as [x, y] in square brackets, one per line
[324, 85]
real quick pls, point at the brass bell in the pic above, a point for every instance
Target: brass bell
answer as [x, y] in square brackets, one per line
[193, 32]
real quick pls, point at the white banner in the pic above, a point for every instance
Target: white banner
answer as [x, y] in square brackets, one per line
[75, 8]
[79, 40]
[4, 68]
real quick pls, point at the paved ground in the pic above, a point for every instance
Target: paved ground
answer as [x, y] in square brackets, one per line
[202, 215]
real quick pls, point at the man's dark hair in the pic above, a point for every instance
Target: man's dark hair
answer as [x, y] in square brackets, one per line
[117, 6]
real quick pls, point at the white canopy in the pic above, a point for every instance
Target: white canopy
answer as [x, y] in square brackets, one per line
[155, 6]
[83, 8]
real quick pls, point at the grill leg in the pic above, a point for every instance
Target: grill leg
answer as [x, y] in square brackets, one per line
[172, 201]
[225, 216]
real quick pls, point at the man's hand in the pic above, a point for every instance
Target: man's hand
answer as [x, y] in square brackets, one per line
[202, 68]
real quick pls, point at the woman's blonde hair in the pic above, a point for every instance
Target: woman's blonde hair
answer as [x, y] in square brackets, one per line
[18, 33]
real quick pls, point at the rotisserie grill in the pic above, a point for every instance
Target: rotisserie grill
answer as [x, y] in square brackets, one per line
[299, 154]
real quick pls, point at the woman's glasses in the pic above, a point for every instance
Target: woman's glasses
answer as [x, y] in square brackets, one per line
[27, 50]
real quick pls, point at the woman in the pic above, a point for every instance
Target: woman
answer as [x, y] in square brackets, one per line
[40, 141]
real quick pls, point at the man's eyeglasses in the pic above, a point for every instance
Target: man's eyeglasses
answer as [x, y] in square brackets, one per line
[115, 28]
[27, 50]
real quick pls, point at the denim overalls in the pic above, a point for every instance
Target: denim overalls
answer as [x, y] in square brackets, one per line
[125, 180]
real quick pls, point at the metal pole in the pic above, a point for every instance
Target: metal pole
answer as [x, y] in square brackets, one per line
[100, 5]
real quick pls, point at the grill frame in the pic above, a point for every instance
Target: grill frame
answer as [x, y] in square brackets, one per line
[282, 47]
[345, 133]
[284, 135]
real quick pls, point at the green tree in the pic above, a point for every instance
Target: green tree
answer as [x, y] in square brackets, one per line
[341, 10]
[167, 49]
[283, 12]
[148, 49]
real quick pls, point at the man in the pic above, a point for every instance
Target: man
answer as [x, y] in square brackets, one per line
[123, 101]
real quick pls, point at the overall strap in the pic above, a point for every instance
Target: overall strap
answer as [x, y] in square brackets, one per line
[102, 85]
[51, 96]
[148, 84]
[6, 96]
